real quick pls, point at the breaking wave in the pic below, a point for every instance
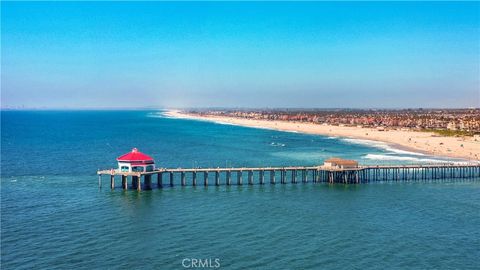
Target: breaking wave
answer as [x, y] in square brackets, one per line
[159, 115]
[277, 144]
[381, 145]
[410, 159]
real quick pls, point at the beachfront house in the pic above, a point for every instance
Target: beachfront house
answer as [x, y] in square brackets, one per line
[135, 161]
[339, 163]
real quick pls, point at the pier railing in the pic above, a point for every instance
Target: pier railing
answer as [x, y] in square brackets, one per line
[295, 174]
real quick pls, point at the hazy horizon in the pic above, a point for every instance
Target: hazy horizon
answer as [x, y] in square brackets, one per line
[123, 55]
[230, 108]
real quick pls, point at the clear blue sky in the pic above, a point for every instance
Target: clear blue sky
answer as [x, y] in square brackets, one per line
[179, 54]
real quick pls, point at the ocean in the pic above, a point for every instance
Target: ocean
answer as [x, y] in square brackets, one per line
[54, 216]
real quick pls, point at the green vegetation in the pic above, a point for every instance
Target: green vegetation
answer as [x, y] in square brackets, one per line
[450, 133]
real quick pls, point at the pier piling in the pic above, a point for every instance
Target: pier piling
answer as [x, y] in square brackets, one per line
[148, 181]
[112, 181]
[137, 182]
[217, 178]
[124, 182]
[229, 178]
[159, 180]
[183, 180]
[272, 176]
[239, 178]
[250, 177]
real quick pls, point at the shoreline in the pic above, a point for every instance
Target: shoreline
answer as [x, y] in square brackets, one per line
[417, 142]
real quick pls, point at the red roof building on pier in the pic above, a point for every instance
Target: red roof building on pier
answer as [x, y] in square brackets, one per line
[135, 161]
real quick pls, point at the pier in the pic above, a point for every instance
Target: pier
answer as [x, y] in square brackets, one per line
[283, 175]
[138, 166]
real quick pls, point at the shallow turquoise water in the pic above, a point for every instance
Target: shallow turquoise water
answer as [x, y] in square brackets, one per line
[54, 216]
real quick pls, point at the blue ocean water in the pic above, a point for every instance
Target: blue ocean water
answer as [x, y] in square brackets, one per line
[53, 215]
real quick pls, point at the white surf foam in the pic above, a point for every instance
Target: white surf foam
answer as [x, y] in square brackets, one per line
[381, 145]
[224, 123]
[412, 159]
[277, 144]
[159, 115]
[398, 151]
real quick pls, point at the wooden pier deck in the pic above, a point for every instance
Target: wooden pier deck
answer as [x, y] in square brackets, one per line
[283, 175]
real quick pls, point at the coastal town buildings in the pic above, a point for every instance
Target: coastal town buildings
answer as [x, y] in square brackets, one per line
[466, 120]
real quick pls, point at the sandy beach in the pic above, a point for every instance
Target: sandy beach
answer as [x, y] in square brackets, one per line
[420, 142]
